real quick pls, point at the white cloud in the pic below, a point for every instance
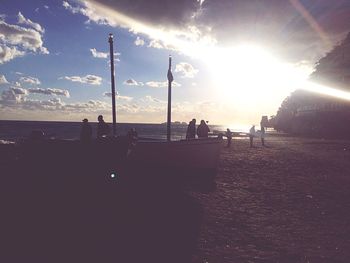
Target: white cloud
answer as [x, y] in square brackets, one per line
[30, 80]
[3, 79]
[126, 98]
[9, 53]
[161, 84]
[139, 41]
[161, 35]
[97, 54]
[107, 94]
[19, 91]
[155, 43]
[87, 11]
[27, 38]
[16, 41]
[9, 97]
[186, 69]
[149, 98]
[119, 97]
[49, 91]
[88, 79]
[132, 82]
[28, 22]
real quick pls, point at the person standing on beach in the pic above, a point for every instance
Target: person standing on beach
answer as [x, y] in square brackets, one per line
[102, 127]
[262, 135]
[191, 130]
[86, 131]
[203, 130]
[251, 135]
[229, 137]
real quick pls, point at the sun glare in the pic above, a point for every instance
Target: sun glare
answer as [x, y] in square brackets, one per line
[249, 74]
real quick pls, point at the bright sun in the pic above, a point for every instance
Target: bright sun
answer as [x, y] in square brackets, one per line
[251, 74]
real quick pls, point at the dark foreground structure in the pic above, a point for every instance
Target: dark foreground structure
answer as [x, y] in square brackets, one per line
[68, 201]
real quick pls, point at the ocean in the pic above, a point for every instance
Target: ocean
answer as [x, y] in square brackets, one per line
[17, 130]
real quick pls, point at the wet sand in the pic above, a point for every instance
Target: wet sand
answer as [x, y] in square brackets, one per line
[287, 202]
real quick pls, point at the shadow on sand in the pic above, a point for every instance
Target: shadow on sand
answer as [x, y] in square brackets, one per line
[55, 212]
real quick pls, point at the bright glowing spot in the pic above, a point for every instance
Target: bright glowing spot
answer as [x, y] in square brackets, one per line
[250, 76]
[112, 175]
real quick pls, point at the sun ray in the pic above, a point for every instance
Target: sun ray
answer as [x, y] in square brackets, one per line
[312, 22]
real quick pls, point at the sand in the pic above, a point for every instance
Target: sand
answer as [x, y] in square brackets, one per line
[287, 202]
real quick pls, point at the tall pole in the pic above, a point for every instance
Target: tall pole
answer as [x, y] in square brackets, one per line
[170, 79]
[111, 54]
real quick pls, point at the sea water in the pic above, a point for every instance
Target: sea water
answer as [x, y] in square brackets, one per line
[16, 130]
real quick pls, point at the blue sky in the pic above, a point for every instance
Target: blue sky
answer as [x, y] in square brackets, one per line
[54, 57]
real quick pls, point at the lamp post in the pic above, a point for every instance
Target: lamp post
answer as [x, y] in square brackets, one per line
[170, 79]
[110, 40]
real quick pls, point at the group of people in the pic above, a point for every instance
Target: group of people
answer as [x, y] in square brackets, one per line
[86, 129]
[252, 134]
[202, 131]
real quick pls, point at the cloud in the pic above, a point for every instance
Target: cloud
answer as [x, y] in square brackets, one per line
[97, 54]
[186, 69]
[132, 82]
[159, 44]
[149, 98]
[88, 79]
[16, 41]
[9, 97]
[30, 80]
[15, 99]
[161, 84]
[291, 31]
[49, 91]
[19, 91]
[9, 53]
[27, 38]
[3, 79]
[28, 22]
[119, 97]
[171, 13]
[139, 41]
[126, 98]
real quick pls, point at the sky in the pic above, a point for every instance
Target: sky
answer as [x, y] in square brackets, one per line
[233, 60]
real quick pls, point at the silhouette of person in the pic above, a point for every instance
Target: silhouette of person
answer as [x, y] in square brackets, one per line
[86, 131]
[251, 135]
[132, 136]
[263, 135]
[203, 130]
[229, 137]
[191, 130]
[102, 127]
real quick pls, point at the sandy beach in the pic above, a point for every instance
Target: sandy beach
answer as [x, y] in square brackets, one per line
[287, 202]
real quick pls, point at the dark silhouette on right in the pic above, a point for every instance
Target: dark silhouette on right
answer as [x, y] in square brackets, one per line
[102, 127]
[229, 137]
[251, 135]
[86, 131]
[203, 130]
[191, 130]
